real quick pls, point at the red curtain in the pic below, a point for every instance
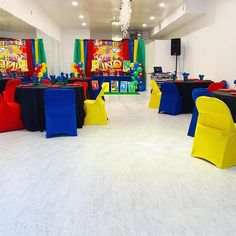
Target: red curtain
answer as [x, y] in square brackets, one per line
[89, 58]
[126, 50]
[29, 57]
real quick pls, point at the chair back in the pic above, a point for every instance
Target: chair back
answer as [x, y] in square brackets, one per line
[60, 111]
[214, 113]
[169, 88]
[198, 92]
[9, 93]
[85, 87]
[216, 86]
[2, 102]
[46, 81]
[154, 86]
[101, 94]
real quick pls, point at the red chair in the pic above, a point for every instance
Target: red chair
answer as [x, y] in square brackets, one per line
[10, 116]
[9, 93]
[216, 86]
[85, 86]
[46, 81]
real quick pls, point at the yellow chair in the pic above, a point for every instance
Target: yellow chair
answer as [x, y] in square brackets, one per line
[155, 96]
[215, 137]
[95, 110]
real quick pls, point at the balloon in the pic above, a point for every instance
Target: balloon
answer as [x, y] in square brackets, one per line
[135, 73]
[40, 74]
[80, 70]
[136, 65]
[44, 70]
[140, 69]
[76, 66]
[136, 83]
[132, 65]
[80, 64]
[40, 66]
[133, 78]
[140, 65]
[138, 79]
[141, 74]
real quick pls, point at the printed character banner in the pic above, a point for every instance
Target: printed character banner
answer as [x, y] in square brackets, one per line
[109, 54]
[13, 56]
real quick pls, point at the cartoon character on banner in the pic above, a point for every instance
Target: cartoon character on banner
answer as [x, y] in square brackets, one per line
[77, 69]
[40, 70]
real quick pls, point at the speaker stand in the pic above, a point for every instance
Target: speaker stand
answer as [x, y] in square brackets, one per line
[176, 65]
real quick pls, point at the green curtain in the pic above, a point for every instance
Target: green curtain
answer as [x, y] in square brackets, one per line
[141, 57]
[41, 52]
[77, 51]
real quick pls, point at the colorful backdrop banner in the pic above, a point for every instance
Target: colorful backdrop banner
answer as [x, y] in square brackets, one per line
[110, 54]
[13, 56]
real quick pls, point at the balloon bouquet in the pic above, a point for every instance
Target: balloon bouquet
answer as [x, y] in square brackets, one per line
[40, 70]
[77, 69]
[137, 75]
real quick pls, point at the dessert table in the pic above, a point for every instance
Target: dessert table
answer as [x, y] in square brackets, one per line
[31, 100]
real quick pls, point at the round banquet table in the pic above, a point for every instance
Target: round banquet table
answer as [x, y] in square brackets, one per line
[229, 100]
[185, 89]
[89, 94]
[31, 100]
[3, 83]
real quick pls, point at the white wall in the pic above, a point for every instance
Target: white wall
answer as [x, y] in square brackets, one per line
[209, 42]
[18, 35]
[67, 47]
[33, 14]
[52, 49]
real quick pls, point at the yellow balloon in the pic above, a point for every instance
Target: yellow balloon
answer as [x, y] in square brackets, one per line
[40, 74]
[43, 70]
[132, 65]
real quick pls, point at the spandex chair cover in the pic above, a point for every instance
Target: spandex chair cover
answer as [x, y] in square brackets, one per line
[60, 112]
[196, 94]
[171, 101]
[216, 86]
[155, 96]
[95, 110]
[215, 137]
[10, 116]
[46, 81]
[9, 93]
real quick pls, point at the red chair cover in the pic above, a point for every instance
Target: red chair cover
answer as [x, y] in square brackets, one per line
[9, 93]
[10, 116]
[46, 81]
[85, 86]
[216, 86]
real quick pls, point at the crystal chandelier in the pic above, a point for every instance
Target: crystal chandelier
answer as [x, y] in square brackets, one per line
[116, 33]
[125, 15]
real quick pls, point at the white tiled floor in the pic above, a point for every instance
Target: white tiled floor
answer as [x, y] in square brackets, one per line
[134, 177]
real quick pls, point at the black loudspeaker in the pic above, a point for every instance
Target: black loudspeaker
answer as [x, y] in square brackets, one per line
[176, 47]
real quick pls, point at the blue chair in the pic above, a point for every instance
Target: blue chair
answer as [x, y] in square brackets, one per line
[196, 93]
[171, 101]
[60, 112]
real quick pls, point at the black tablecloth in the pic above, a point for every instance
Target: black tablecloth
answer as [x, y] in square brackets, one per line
[89, 94]
[185, 90]
[229, 100]
[32, 106]
[3, 83]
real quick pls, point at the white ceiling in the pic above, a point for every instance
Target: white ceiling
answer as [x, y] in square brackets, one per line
[10, 23]
[99, 13]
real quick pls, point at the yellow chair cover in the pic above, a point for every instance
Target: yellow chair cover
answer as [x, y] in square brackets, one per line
[215, 137]
[155, 96]
[95, 110]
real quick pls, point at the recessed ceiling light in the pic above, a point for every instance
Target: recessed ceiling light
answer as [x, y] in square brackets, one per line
[81, 16]
[75, 3]
[162, 4]
[83, 24]
[144, 25]
[152, 17]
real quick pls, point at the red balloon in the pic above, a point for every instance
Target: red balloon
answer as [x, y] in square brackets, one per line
[76, 66]
[140, 64]
[141, 74]
[40, 66]
[80, 70]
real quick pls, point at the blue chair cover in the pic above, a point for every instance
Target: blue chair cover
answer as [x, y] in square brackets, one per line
[60, 112]
[196, 93]
[171, 101]
[226, 84]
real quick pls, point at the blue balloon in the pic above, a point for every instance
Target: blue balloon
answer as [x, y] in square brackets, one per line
[136, 65]
[80, 64]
